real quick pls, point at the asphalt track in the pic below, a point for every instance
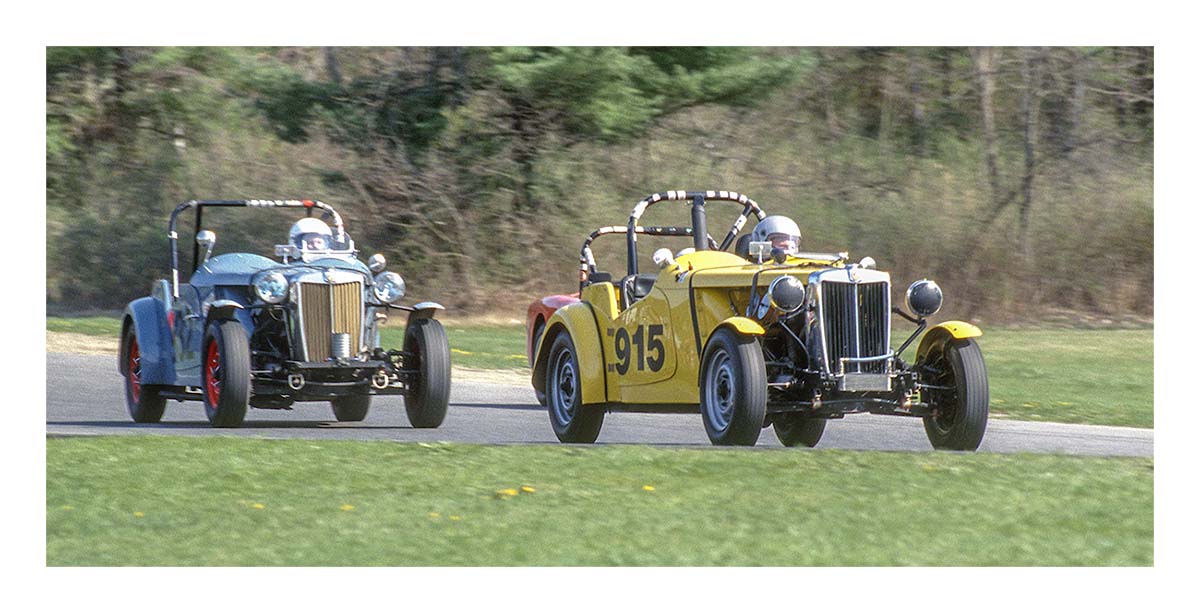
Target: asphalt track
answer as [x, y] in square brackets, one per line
[84, 397]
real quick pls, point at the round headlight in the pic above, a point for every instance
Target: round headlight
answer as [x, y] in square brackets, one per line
[377, 263]
[924, 297]
[272, 288]
[389, 287]
[787, 293]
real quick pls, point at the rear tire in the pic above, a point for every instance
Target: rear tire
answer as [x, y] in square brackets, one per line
[351, 408]
[573, 422]
[144, 404]
[225, 366]
[962, 412]
[733, 389]
[429, 392]
[795, 430]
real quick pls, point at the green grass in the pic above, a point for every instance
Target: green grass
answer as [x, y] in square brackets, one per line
[92, 326]
[1073, 376]
[1064, 375]
[489, 346]
[225, 501]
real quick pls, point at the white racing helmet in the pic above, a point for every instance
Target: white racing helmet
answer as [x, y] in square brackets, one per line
[311, 234]
[780, 231]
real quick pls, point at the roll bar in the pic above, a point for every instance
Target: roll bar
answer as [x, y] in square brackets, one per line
[199, 205]
[587, 262]
[699, 221]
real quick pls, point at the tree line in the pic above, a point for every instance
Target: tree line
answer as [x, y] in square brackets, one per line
[1019, 178]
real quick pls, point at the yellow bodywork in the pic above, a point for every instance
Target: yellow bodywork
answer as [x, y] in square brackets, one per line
[651, 353]
[945, 331]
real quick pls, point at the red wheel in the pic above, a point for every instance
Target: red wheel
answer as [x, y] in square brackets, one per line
[226, 373]
[135, 370]
[212, 373]
[144, 404]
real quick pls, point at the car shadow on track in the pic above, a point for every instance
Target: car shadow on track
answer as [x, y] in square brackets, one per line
[494, 405]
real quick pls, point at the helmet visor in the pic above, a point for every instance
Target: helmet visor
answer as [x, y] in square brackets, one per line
[312, 241]
[790, 243]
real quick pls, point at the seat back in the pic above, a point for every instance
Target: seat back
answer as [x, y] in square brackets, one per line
[742, 247]
[636, 287]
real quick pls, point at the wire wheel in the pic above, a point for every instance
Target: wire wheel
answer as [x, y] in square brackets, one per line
[212, 373]
[143, 401]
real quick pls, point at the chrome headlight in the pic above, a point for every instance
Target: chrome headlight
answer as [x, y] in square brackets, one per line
[377, 263]
[924, 297]
[786, 293]
[388, 287]
[272, 288]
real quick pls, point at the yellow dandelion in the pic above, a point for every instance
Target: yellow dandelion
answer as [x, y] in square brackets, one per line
[347, 507]
[434, 515]
[67, 507]
[259, 505]
[506, 493]
[455, 518]
[138, 514]
[527, 489]
[648, 488]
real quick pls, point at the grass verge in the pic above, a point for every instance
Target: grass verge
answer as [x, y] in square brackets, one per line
[223, 501]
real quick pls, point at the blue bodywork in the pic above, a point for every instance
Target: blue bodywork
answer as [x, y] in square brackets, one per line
[170, 331]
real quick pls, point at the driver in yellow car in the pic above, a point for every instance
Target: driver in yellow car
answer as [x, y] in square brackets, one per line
[780, 231]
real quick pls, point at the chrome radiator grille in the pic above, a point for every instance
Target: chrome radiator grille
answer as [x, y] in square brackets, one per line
[856, 321]
[327, 308]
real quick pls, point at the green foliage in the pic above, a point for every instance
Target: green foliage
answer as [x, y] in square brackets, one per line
[485, 167]
[116, 501]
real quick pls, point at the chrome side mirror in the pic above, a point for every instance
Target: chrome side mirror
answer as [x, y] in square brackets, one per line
[759, 250]
[206, 239]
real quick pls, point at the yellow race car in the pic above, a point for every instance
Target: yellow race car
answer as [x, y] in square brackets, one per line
[751, 337]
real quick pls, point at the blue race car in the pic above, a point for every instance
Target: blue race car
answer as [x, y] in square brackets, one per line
[248, 331]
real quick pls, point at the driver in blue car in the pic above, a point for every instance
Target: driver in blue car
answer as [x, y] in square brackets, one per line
[780, 231]
[310, 234]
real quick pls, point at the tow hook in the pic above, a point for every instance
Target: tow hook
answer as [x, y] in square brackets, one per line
[296, 381]
[907, 403]
[816, 401]
[380, 380]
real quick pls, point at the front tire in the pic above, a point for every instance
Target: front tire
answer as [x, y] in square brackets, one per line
[351, 408]
[961, 411]
[144, 404]
[795, 430]
[733, 389]
[572, 421]
[226, 373]
[429, 394]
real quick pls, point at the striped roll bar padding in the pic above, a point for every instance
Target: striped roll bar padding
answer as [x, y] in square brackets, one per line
[750, 206]
[199, 205]
[587, 262]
